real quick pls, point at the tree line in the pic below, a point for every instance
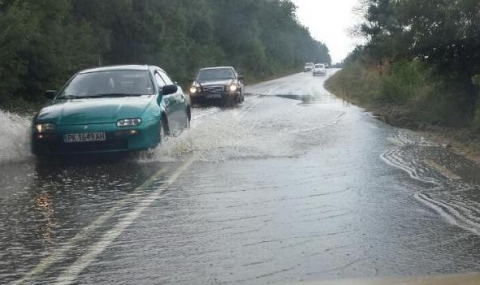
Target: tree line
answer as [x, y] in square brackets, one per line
[44, 42]
[424, 55]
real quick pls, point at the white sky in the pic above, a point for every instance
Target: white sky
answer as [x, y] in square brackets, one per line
[329, 22]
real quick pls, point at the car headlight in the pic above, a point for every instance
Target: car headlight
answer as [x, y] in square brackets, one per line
[129, 122]
[44, 127]
[193, 90]
[233, 88]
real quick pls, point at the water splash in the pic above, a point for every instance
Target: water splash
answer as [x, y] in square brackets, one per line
[14, 139]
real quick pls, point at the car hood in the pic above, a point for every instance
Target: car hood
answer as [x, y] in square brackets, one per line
[93, 110]
[216, 82]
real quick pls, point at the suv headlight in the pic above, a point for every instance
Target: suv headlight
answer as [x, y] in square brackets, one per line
[193, 90]
[232, 88]
[44, 127]
[129, 122]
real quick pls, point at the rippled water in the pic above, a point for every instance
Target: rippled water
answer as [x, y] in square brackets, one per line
[452, 182]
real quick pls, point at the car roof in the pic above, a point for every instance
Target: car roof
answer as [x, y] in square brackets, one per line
[216, 67]
[120, 67]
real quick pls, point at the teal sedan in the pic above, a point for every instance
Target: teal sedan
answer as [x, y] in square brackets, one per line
[110, 109]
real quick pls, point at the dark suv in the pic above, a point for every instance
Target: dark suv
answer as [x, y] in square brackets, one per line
[217, 83]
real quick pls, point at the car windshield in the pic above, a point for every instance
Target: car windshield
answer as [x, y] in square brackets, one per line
[319, 66]
[109, 83]
[215, 74]
[309, 64]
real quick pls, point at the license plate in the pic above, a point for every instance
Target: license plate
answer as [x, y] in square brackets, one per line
[214, 96]
[85, 137]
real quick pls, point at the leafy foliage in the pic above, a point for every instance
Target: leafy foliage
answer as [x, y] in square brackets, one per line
[44, 42]
[434, 43]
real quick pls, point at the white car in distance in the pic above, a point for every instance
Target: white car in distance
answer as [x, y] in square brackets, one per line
[319, 69]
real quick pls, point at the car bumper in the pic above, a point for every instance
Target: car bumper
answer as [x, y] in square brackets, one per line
[138, 138]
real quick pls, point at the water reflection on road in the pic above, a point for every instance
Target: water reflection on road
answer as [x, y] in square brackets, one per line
[278, 189]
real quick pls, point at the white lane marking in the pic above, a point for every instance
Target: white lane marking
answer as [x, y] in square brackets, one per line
[71, 273]
[61, 253]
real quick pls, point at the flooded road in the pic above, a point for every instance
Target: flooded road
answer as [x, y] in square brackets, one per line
[293, 185]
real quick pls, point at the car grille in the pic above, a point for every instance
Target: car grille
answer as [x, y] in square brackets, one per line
[213, 89]
[89, 146]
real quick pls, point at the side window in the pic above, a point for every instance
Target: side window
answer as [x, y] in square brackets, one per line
[167, 79]
[159, 80]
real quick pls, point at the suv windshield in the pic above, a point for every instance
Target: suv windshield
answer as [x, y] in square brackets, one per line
[215, 74]
[110, 83]
[319, 66]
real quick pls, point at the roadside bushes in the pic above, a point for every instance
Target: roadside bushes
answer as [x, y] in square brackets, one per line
[404, 91]
[426, 53]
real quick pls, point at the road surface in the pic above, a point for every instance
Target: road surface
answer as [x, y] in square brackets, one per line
[293, 185]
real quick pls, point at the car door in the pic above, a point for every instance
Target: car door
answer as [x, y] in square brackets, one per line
[178, 105]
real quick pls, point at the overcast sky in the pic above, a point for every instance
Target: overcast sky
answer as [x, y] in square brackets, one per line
[329, 21]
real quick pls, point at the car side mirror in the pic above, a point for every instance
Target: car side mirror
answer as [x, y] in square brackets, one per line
[169, 89]
[50, 94]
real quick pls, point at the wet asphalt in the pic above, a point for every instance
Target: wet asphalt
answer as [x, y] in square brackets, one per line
[293, 185]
